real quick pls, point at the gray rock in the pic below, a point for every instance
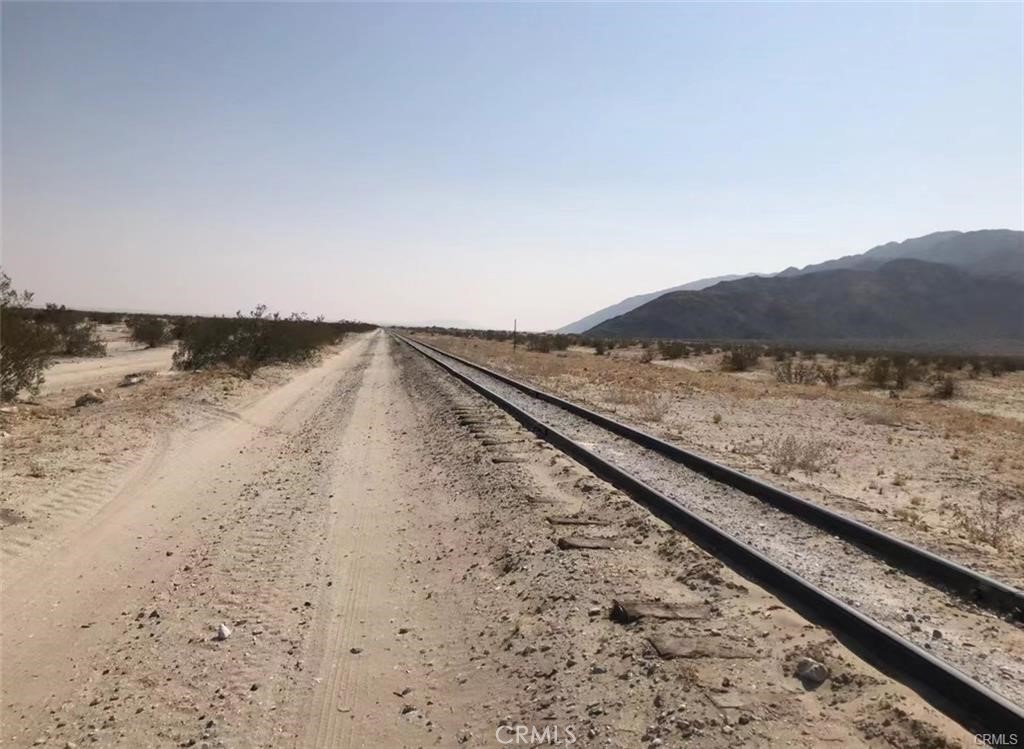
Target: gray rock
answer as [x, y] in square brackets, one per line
[87, 399]
[809, 670]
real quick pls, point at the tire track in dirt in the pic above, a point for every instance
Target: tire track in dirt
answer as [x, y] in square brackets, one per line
[83, 496]
[226, 527]
[355, 482]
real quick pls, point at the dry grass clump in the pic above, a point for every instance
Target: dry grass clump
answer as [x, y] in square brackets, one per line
[996, 519]
[649, 405]
[652, 406]
[883, 416]
[790, 453]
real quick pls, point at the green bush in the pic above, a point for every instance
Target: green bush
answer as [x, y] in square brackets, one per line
[943, 388]
[672, 349]
[149, 331]
[76, 334]
[81, 339]
[878, 372]
[740, 359]
[26, 345]
[248, 342]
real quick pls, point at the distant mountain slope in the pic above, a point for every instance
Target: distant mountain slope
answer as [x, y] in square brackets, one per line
[990, 253]
[901, 299]
[633, 302]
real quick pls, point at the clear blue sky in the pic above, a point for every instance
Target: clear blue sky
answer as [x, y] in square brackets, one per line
[485, 162]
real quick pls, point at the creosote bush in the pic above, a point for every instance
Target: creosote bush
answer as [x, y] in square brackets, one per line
[792, 372]
[26, 346]
[878, 372]
[149, 331]
[672, 349]
[250, 341]
[943, 388]
[76, 333]
[740, 359]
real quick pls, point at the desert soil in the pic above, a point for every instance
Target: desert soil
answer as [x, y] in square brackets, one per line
[383, 545]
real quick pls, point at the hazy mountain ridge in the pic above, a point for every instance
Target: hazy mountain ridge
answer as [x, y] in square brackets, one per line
[631, 303]
[971, 285]
[902, 299]
[986, 253]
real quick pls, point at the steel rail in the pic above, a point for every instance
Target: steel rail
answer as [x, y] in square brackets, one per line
[921, 563]
[970, 703]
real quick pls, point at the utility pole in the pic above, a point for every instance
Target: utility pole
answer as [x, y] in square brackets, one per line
[515, 341]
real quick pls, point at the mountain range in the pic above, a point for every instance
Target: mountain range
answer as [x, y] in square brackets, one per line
[947, 286]
[626, 305]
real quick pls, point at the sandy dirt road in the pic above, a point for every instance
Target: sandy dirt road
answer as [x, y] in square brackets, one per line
[83, 374]
[382, 544]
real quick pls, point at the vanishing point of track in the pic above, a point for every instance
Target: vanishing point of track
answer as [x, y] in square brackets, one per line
[795, 576]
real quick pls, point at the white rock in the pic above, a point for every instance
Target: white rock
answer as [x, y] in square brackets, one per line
[223, 632]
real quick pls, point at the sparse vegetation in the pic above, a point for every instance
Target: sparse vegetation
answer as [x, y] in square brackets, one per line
[790, 453]
[828, 375]
[247, 342]
[652, 406]
[740, 359]
[672, 349]
[26, 346]
[943, 388]
[878, 372]
[148, 330]
[77, 334]
[996, 519]
[793, 372]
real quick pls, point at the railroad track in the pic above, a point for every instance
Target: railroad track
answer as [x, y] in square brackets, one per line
[872, 590]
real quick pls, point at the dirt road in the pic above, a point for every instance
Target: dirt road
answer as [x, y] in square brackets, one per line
[83, 374]
[381, 544]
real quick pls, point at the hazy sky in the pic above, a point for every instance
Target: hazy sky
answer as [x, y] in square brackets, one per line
[485, 162]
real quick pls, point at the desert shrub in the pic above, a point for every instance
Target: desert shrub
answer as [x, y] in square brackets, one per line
[828, 375]
[248, 342]
[652, 406]
[75, 334]
[788, 453]
[539, 343]
[599, 347]
[792, 372]
[905, 371]
[81, 339]
[545, 342]
[672, 349]
[878, 372]
[26, 345]
[995, 519]
[943, 388]
[149, 331]
[740, 359]
[647, 355]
